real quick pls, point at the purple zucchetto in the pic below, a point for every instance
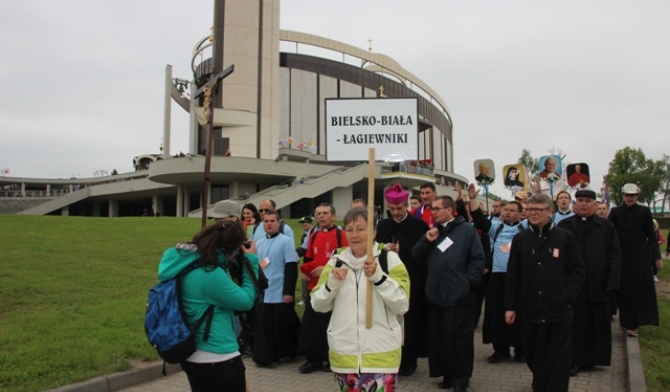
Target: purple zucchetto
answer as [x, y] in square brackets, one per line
[395, 194]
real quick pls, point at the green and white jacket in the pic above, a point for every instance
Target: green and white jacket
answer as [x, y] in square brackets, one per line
[354, 348]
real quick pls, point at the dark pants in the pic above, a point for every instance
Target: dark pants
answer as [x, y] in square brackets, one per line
[495, 330]
[480, 295]
[223, 376]
[451, 349]
[314, 334]
[548, 349]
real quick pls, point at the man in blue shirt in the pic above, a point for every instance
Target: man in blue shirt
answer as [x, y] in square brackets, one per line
[277, 325]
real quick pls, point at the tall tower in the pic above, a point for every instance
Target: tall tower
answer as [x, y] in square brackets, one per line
[247, 124]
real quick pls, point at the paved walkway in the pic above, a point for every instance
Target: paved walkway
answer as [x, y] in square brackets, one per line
[506, 376]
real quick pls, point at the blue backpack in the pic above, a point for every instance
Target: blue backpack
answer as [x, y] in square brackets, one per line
[165, 321]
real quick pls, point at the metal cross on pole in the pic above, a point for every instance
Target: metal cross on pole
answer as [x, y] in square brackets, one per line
[209, 89]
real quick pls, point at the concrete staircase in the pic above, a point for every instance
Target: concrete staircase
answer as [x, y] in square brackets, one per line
[310, 187]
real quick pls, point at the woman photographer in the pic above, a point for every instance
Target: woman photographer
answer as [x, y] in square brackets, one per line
[216, 364]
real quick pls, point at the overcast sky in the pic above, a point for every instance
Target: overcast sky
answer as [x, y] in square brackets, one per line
[81, 82]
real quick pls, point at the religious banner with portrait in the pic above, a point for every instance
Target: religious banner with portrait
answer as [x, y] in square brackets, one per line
[578, 175]
[515, 177]
[484, 171]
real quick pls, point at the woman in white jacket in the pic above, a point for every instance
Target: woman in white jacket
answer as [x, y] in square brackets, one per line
[363, 359]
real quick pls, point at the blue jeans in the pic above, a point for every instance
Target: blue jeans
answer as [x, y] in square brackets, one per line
[223, 376]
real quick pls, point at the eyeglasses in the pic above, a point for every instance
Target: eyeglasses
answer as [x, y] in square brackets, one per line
[263, 210]
[436, 209]
[535, 210]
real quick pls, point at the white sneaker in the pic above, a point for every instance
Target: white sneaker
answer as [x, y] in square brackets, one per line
[655, 279]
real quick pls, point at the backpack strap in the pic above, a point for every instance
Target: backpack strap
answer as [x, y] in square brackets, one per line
[282, 224]
[338, 234]
[194, 265]
[253, 231]
[498, 230]
[383, 260]
[245, 263]
[209, 313]
[312, 238]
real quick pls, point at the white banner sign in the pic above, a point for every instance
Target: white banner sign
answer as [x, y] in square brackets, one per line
[389, 125]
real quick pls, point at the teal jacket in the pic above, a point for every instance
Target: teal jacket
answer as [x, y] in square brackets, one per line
[210, 286]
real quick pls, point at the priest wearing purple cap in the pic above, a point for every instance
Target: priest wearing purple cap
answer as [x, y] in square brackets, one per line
[598, 244]
[400, 232]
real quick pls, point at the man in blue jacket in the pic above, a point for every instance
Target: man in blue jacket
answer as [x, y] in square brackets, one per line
[455, 261]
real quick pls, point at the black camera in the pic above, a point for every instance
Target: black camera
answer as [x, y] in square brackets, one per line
[247, 244]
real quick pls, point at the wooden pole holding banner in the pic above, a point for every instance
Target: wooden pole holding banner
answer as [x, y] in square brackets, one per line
[371, 228]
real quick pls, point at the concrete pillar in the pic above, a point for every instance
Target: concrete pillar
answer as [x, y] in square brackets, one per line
[65, 211]
[154, 203]
[23, 189]
[342, 198]
[209, 195]
[234, 189]
[113, 209]
[187, 201]
[157, 205]
[180, 201]
[48, 190]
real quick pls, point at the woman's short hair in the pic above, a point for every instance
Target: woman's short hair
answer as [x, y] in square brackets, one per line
[354, 214]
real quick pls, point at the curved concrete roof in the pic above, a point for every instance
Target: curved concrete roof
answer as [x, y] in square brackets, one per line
[376, 58]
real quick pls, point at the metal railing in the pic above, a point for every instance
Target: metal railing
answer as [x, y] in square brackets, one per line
[41, 194]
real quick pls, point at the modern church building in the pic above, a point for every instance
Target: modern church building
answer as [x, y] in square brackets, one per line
[269, 130]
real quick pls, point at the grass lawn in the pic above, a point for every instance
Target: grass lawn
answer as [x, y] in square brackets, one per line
[655, 341]
[73, 293]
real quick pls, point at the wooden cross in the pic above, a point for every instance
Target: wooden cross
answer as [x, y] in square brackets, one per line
[209, 89]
